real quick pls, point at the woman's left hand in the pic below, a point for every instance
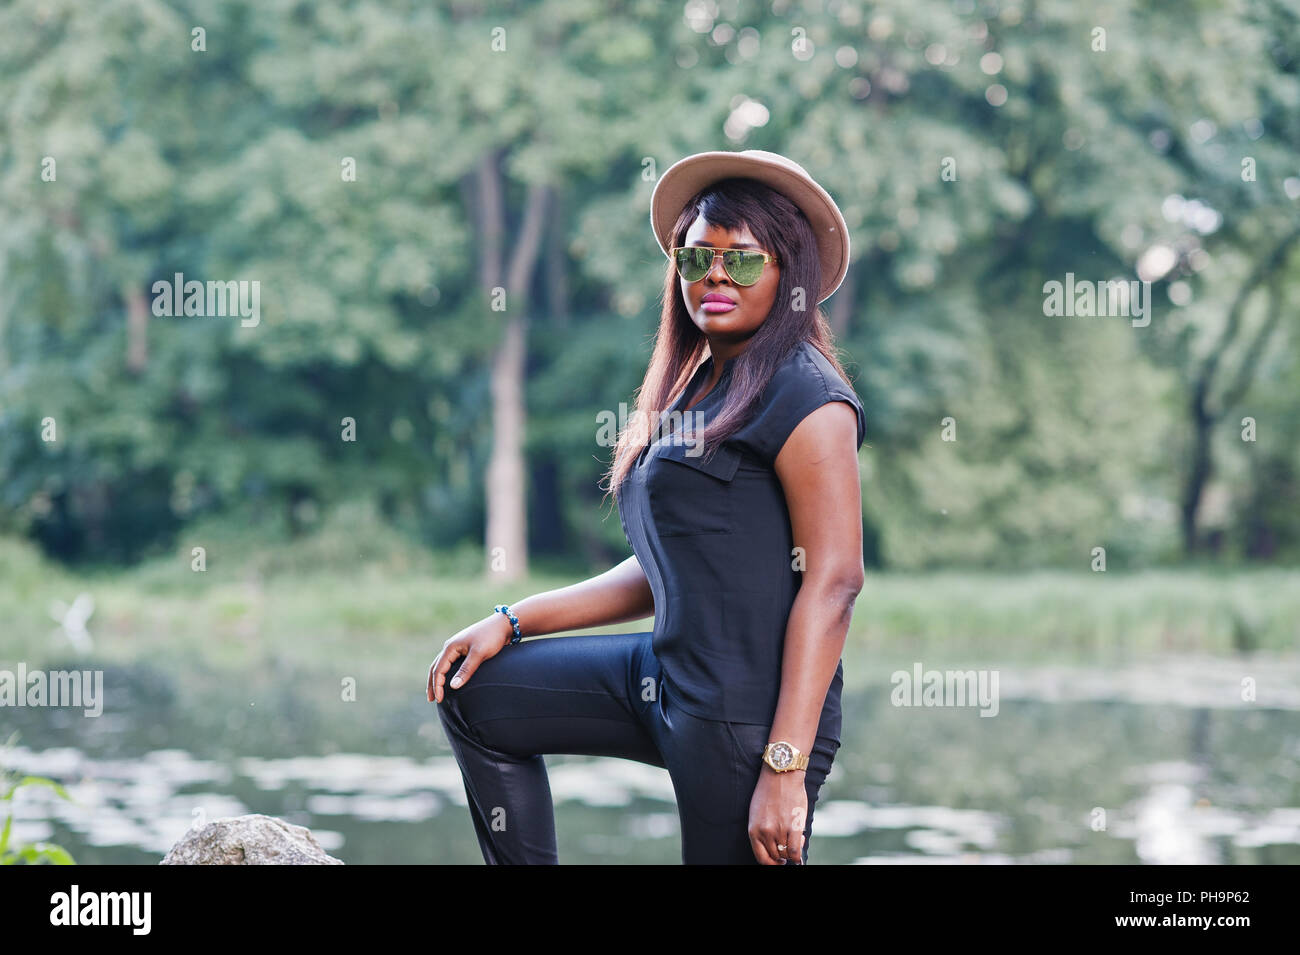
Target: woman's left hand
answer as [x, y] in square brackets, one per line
[776, 816]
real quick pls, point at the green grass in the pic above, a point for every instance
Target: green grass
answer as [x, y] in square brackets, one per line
[356, 599]
[1062, 614]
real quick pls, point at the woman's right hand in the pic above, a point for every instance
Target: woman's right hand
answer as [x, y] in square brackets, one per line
[478, 642]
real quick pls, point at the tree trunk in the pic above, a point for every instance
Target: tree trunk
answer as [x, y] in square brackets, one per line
[841, 305]
[1198, 471]
[557, 267]
[1205, 411]
[507, 517]
[137, 329]
[506, 491]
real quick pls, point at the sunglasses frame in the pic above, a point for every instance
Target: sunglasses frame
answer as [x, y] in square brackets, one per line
[768, 258]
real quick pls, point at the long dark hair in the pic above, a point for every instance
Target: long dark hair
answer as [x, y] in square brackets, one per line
[781, 228]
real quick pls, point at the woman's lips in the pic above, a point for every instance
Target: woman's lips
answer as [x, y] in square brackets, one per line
[717, 305]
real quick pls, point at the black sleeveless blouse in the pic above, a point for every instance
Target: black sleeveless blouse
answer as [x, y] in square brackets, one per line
[714, 539]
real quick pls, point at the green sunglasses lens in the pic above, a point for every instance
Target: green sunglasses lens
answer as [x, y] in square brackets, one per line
[743, 267]
[693, 264]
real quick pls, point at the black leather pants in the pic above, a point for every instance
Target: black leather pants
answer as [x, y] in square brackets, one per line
[600, 695]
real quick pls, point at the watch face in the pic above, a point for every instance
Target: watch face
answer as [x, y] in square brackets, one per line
[781, 755]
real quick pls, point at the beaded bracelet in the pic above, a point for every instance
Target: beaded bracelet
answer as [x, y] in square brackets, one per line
[514, 622]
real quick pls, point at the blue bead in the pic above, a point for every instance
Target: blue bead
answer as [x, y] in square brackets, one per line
[514, 621]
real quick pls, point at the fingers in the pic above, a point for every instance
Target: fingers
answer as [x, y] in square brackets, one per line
[432, 668]
[764, 840]
[469, 646]
[467, 669]
[438, 672]
[773, 850]
[794, 837]
[764, 848]
[794, 847]
[779, 842]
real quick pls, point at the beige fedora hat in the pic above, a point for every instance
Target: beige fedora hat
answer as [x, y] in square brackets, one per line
[684, 178]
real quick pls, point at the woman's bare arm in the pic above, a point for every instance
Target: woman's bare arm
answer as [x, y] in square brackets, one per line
[620, 594]
[818, 470]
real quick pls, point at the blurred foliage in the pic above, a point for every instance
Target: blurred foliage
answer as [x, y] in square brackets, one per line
[226, 164]
[28, 853]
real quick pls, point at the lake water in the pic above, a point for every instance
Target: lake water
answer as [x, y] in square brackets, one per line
[1161, 762]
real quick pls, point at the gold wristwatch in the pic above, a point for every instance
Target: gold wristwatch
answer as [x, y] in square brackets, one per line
[783, 757]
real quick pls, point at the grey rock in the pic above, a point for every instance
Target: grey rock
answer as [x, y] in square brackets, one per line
[249, 840]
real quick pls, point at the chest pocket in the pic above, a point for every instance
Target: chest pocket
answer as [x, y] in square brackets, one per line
[689, 495]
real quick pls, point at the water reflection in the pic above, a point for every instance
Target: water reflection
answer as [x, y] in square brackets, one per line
[1180, 774]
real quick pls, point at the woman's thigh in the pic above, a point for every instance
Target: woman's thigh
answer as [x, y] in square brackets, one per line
[577, 694]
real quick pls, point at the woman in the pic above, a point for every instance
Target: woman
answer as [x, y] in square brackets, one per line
[743, 513]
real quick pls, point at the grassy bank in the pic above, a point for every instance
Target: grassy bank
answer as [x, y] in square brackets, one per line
[357, 601]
